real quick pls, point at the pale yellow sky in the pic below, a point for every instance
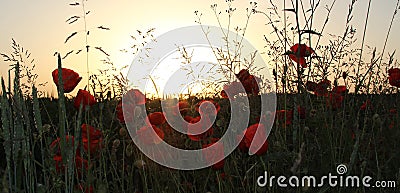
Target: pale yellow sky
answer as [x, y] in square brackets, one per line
[40, 27]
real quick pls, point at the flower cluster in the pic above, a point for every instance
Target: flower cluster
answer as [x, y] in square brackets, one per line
[197, 122]
[334, 98]
[91, 138]
[70, 80]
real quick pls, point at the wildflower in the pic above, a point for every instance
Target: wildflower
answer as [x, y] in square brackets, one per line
[150, 134]
[250, 84]
[311, 86]
[322, 88]
[299, 52]
[212, 153]
[56, 147]
[260, 141]
[156, 118]
[85, 98]
[285, 115]
[248, 81]
[199, 129]
[93, 141]
[392, 112]
[394, 77]
[131, 100]
[365, 105]
[183, 107]
[69, 77]
[205, 107]
[233, 89]
[392, 115]
[336, 97]
[339, 89]
[301, 112]
[243, 74]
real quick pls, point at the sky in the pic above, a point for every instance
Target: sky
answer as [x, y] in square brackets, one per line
[40, 27]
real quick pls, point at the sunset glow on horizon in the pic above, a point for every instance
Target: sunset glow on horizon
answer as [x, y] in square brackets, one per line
[41, 28]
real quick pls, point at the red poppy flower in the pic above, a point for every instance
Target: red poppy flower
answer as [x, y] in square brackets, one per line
[156, 118]
[223, 94]
[322, 88]
[180, 109]
[69, 77]
[394, 77]
[302, 50]
[79, 164]
[336, 97]
[243, 74]
[299, 60]
[248, 81]
[299, 52]
[250, 84]
[393, 112]
[212, 153]
[339, 89]
[85, 98]
[93, 141]
[183, 107]
[55, 146]
[335, 100]
[146, 134]
[131, 99]
[205, 108]
[120, 112]
[232, 88]
[302, 112]
[249, 138]
[311, 86]
[365, 105]
[199, 129]
[285, 116]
